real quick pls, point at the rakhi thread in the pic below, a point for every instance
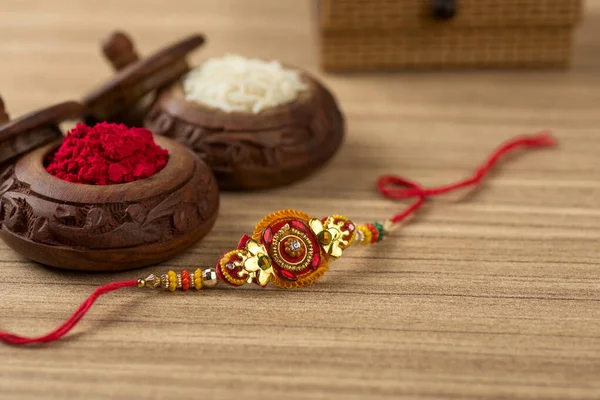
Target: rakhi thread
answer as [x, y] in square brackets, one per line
[397, 188]
[66, 326]
[283, 262]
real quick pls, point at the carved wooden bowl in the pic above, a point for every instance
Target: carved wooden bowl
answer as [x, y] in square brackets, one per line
[254, 151]
[107, 228]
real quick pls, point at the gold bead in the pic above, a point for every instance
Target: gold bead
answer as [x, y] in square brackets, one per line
[209, 277]
[141, 283]
[389, 226]
[164, 281]
[152, 281]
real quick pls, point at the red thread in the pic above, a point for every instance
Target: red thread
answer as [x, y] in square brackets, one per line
[107, 154]
[66, 326]
[395, 187]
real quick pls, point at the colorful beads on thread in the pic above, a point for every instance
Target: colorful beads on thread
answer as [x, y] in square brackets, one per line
[198, 279]
[172, 280]
[381, 230]
[185, 280]
[366, 234]
[374, 233]
[370, 233]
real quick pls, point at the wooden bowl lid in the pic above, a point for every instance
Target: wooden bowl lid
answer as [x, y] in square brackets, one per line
[33, 130]
[136, 78]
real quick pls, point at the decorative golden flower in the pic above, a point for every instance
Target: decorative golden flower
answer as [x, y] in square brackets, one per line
[256, 263]
[331, 235]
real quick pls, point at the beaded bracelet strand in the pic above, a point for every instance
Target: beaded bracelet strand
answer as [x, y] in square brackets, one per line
[289, 248]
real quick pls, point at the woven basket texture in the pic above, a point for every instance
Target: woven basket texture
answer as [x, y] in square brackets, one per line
[359, 35]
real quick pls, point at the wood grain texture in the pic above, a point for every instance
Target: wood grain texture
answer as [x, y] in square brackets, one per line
[494, 297]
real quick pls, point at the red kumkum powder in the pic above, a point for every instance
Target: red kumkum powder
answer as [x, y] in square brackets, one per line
[107, 154]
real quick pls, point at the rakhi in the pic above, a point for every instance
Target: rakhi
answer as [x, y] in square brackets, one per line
[289, 248]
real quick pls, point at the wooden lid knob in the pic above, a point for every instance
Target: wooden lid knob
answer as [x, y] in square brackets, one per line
[444, 9]
[119, 49]
[118, 100]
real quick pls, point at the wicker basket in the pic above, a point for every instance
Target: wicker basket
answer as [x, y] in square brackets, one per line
[359, 35]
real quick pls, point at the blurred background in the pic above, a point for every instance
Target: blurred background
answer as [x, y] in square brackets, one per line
[63, 37]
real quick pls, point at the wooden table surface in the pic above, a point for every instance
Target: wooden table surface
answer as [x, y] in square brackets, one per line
[494, 296]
